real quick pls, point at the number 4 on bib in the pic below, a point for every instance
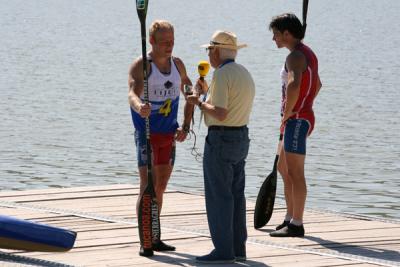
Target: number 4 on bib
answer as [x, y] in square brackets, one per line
[165, 108]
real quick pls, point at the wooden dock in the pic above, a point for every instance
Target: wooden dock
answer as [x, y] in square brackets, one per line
[104, 217]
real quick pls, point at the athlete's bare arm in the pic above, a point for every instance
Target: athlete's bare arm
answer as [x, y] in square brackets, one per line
[188, 108]
[136, 86]
[296, 64]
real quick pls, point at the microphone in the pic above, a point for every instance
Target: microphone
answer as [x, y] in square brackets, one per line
[203, 67]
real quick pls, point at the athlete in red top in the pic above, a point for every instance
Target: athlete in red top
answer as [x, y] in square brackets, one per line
[308, 87]
[300, 86]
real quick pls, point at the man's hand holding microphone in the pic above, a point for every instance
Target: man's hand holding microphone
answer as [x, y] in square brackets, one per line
[201, 87]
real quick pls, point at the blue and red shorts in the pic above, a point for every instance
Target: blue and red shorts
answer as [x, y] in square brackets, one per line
[162, 147]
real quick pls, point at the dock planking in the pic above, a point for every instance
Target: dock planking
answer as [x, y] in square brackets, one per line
[105, 219]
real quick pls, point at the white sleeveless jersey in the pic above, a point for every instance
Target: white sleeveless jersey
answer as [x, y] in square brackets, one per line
[163, 86]
[164, 91]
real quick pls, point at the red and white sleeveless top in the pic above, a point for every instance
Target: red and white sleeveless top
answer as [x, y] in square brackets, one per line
[308, 87]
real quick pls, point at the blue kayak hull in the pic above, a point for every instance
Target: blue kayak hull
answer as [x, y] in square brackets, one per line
[27, 235]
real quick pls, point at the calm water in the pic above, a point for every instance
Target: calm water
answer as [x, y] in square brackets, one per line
[64, 116]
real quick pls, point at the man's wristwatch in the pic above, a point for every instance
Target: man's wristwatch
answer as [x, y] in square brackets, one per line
[186, 128]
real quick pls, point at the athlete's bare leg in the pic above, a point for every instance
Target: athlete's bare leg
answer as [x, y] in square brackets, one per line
[295, 169]
[287, 183]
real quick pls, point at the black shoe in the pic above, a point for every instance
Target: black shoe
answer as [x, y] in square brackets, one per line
[290, 230]
[213, 258]
[145, 252]
[240, 258]
[161, 246]
[285, 223]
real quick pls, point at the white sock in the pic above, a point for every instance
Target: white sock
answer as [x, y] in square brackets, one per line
[288, 217]
[296, 222]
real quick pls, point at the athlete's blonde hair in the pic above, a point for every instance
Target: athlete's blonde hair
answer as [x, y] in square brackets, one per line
[160, 25]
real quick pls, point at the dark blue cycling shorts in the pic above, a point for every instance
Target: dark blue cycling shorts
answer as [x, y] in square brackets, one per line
[295, 136]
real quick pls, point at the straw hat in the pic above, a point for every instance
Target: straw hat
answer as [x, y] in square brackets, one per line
[224, 39]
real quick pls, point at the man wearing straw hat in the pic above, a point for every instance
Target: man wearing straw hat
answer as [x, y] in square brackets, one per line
[226, 113]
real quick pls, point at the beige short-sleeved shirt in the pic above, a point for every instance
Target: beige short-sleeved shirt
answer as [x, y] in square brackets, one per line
[232, 88]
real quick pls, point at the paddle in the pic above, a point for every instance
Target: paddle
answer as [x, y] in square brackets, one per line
[266, 196]
[305, 9]
[148, 217]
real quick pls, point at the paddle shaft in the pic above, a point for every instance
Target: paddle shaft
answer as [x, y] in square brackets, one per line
[305, 9]
[146, 100]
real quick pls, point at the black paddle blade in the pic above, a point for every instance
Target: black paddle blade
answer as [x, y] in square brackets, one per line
[141, 7]
[148, 219]
[145, 220]
[155, 222]
[266, 199]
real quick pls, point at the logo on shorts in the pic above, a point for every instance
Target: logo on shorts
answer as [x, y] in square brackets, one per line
[296, 135]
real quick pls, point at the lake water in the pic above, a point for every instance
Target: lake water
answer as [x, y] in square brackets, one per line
[64, 115]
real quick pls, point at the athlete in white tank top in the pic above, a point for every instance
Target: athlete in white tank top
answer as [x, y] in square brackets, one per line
[164, 91]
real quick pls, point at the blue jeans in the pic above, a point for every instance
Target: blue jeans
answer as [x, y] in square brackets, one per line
[224, 162]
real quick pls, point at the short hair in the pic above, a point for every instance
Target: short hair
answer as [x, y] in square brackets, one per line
[225, 53]
[289, 22]
[160, 25]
